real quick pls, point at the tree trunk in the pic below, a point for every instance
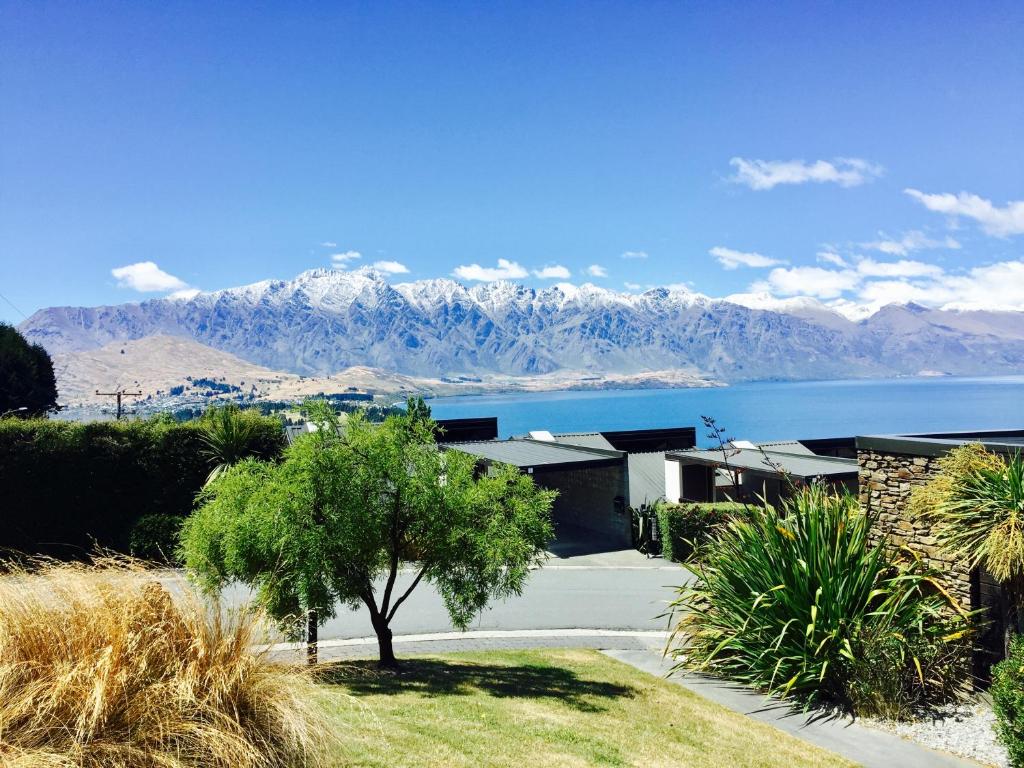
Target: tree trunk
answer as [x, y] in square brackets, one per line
[311, 636]
[387, 651]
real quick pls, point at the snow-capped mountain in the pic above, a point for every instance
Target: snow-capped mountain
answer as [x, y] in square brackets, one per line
[326, 320]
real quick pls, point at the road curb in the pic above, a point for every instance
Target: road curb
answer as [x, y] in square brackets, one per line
[480, 634]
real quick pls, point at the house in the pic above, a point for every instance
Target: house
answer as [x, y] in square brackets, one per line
[598, 475]
[743, 471]
[592, 483]
[645, 454]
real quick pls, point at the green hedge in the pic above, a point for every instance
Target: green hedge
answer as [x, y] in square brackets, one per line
[687, 524]
[68, 487]
[1008, 701]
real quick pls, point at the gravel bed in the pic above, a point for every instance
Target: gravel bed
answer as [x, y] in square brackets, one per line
[967, 730]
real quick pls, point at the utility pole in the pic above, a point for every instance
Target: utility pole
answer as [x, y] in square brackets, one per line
[119, 394]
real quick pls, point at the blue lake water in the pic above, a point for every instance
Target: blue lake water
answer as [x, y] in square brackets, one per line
[763, 411]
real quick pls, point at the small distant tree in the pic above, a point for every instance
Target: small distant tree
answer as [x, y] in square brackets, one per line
[28, 386]
[338, 519]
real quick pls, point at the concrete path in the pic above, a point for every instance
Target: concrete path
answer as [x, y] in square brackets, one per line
[867, 746]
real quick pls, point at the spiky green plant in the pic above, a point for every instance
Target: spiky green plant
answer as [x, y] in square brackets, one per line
[798, 602]
[975, 507]
[226, 435]
[976, 510]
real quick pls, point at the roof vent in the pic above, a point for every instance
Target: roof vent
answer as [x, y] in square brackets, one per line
[542, 434]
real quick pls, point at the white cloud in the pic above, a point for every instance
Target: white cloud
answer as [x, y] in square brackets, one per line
[633, 286]
[185, 294]
[341, 259]
[808, 281]
[506, 270]
[596, 270]
[857, 293]
[634, 255]
[997, 286]
[391, 267]
[995, 221]
[731, 259]
[328, 244]
[831, 257]
[914, 240]
[901, 268]
[766, 174]
[146, 276]
[878, 293]
[554, 272]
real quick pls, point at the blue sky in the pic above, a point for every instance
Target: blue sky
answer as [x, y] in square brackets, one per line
[858, 153]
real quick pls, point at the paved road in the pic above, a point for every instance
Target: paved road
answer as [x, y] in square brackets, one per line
[611, 590]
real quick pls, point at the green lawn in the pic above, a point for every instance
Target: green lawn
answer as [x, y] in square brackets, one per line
[543, 708]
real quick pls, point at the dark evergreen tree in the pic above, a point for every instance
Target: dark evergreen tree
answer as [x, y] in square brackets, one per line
[28, 386]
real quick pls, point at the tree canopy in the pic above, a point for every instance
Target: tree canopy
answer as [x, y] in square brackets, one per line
[349, 507]
[28, 386]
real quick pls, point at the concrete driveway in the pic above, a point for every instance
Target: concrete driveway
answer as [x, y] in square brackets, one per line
[621, 590]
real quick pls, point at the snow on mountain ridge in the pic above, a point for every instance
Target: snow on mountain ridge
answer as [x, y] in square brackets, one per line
[324, 320]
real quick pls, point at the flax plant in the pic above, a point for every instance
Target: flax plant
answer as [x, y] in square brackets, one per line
[797, 602]
[226, 436]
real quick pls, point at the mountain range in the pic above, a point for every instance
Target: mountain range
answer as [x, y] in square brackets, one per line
[324, 321]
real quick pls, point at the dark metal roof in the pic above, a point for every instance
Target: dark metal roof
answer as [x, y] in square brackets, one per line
[657, 439]
[753, 460]
[939, 443]
[464, 430]
[584, 439]
[535, 453]
[631, 440]
[787, 446]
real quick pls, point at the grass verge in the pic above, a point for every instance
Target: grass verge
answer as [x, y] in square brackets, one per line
[551, 708]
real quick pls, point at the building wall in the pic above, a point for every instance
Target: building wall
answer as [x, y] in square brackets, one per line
[886, 480]
[673, 480]
[586, 499]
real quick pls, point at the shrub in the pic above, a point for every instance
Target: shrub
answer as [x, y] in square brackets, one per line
[227, 433]
[155, 538]
[797, 602]
[974, 507]
[67, 486]
[1008, 701]
[687, 526]
[100, 667]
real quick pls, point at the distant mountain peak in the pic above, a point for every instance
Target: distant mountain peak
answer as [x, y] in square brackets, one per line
[325, 320]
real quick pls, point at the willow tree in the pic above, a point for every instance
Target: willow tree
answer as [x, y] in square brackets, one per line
[975, 507]
[348, 509]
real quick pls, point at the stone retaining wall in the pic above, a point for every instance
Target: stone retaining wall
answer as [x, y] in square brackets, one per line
[886, 480]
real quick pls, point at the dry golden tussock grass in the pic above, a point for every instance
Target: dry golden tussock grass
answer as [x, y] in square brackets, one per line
[100, 666]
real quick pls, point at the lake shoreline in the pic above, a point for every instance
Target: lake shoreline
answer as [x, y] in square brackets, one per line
[760, 410]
